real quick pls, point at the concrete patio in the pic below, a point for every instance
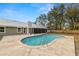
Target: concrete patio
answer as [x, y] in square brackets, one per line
[12, 46]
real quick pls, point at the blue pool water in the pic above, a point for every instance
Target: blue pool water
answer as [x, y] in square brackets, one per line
[40, 39]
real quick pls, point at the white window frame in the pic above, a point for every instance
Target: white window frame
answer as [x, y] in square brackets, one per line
[4, 29]
[17, 29]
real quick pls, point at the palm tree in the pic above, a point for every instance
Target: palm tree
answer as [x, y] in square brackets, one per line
[61, 15]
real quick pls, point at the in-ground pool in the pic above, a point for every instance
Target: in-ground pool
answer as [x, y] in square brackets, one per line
[40, 39]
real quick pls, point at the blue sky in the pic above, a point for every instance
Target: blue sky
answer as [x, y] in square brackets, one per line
[24, 12]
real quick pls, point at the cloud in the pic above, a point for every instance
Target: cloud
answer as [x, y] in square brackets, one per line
[42, 7]
[25, 12]
[46, 8]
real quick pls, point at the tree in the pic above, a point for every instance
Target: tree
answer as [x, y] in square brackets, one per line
[42, 20]
[61, 15]
[53, 17]
[72, 13]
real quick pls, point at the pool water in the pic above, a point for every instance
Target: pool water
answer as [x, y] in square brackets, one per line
[40, 39]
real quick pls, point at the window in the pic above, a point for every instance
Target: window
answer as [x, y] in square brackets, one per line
[19, 30]
[2, 29]
[24, 30]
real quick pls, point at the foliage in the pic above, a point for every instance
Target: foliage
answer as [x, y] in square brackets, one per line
[60, 17]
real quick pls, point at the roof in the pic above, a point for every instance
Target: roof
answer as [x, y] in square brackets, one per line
[37, 26]
[14, 23]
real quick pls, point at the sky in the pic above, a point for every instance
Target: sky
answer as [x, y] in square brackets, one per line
[24, 11]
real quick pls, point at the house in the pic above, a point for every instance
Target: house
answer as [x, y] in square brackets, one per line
[12, 27]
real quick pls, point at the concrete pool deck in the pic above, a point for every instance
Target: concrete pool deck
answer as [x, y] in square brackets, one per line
[11, 46]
